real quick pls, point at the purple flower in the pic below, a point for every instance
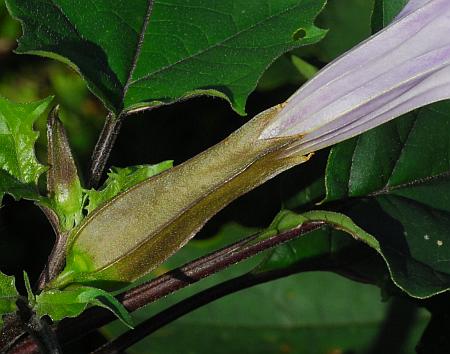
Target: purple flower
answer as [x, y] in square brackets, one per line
[401, 68]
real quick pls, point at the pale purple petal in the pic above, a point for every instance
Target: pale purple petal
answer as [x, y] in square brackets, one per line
[403, 67]
[410, 7]
[321, 138]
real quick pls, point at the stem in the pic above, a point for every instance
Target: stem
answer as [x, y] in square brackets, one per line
[71, 329]
[103, 149]
[38, 328]
[181, 277]
[149, 292]
[113, 123]
[13, 330]
[192, 303]
[206, 266]
[55, 262]
[56, 258]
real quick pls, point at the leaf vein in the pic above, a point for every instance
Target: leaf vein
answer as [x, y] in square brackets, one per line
[394, 168]
[138, 50]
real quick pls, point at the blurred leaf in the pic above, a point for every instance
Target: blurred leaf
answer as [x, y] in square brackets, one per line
[311, 193]
[81, 114]
[121, 179]
[218, 48]
[280, 73]
[8, 296]
[385, 11]
[308, 313]
[31, 79]
[72, 302]
[19, 168]
[9, 29]
[398, 179]
[348, 23]
[304, 68]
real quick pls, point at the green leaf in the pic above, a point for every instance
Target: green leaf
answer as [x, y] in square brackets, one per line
[72, 302]
[137, 55]
[8, 296]
[121, 179]
[396, 179]
[314, 313]
[19, 168]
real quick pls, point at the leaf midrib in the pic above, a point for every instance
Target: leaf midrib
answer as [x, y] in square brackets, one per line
[414, 183]
[388, 189]
[138, 50]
